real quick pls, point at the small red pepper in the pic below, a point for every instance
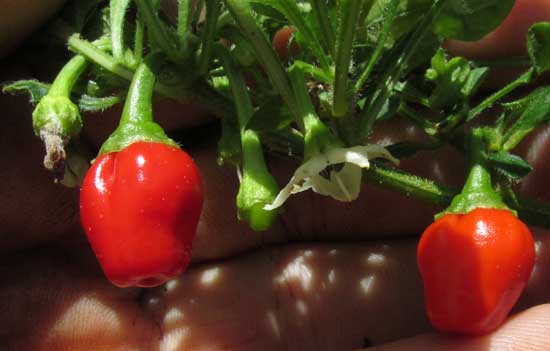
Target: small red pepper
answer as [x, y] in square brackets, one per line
[141, 200]
[476, 258]
[474, 266]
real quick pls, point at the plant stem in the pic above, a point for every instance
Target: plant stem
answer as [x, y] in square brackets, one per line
[242, 12]
[320, 11]
[410, 185]
[158, 33]
[391, 13]
[349, 11]
[523, 79]
[201, 92]
[185, 11]
[392, 75]
[67, 77]
[212, 13]
[292, 12]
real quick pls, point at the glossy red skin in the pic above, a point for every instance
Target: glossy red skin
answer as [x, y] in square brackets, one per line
[140, 208]
[474, 267]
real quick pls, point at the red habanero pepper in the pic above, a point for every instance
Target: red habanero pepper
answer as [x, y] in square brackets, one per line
[475, 260]
[141, 200]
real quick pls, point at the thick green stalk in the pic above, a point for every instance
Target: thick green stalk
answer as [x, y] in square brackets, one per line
[67, 77]
[523, 79]
[136, 123]
[409, 185]
[258, 187]
[242, 12]
[157, 31]
[320, 11]
[349, 13]
[390, 15]
[185, 12]
[392, 75]
[478, 191]
[212, 13]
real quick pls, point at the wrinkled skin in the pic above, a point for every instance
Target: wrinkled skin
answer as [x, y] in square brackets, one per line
[327, 276]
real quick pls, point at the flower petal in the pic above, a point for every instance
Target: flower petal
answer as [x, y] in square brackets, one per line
[342, 185]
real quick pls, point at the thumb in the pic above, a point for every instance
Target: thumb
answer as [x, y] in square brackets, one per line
[525, 331]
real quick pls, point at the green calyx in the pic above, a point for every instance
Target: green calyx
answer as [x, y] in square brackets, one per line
[258, 187]
[478, 191]
[58, 115]
[136, 123]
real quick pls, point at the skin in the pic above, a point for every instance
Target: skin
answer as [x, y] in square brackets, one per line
[328, 276]
[19, 18]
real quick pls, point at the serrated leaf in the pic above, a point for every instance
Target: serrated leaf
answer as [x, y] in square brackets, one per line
[35, 89]
[509, 165]
[538, 45]
[536, 112]
[475, 79]
[471, 19]
[95, 104]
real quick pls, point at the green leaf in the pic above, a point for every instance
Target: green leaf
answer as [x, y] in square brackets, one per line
[538, 45]
[271, 116]
[449, 76]
[509, 165]
[36, 90]
[291, 10]
[95, 104]
[475, 79]
[471, 19]
[408, 14]
[536, 112]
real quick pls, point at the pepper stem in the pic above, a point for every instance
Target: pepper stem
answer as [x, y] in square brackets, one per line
[136, 123]
[478, 191]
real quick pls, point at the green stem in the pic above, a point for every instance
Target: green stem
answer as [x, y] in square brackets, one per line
[523, 79]
[157, 31]
[139, 102]
[138, 40]
[136, 123]
[317, 136]
[392, 75]
[117, 10]
[410, 185]
[349, 13]
[201, 92]
[185, 11]
[67, 77]
[98, 56]
[478, 191]
[242, 12]
[391, 13]
[212, 13]
[320, 11]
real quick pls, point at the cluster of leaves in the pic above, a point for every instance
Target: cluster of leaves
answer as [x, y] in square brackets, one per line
[358, 62]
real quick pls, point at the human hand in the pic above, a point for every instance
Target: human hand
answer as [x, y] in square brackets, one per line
[328, 276]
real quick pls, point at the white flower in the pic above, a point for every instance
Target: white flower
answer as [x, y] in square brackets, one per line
[342, 185]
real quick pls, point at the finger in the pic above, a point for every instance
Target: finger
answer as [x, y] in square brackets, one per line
[509, 39]
[33, 209]
[20, 18]
[526, 331]
[337, 296]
